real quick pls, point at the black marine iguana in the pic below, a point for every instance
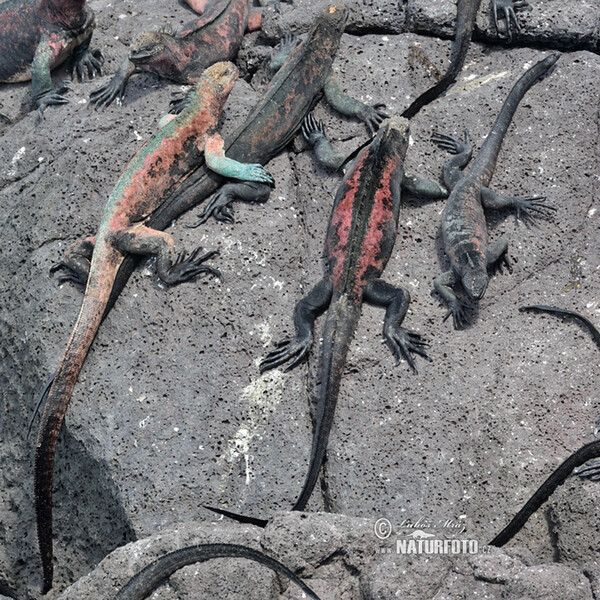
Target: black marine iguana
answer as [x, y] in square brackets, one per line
[160, 164]
[38, 35]
[464, 227]
[144, 582]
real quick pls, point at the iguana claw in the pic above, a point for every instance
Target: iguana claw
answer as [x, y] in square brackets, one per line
[459, 317]
[312, 130]
[509, 9]
[53, 97]
[591, 470]
[404, 342]
[451, 144]
[90, 60]
[184, 269]
[292, 349]
[373, 116]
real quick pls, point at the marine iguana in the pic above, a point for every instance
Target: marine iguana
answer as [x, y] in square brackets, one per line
[144, 582]
[272, 124]
[38, 35]
[360, 238]
[182, 56]
[464, 229]
[163, 162]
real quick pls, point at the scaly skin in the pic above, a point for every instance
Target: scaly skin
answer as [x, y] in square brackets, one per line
[464, 229]
[163, 162]
[144, 582]
[182, 56]
[37, 36]
[360, 239]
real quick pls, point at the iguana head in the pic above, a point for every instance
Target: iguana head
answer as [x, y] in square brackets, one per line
[148, 46]
[474, 275]
[221, 77]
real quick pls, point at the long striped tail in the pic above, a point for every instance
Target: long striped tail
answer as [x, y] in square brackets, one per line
[59, 395]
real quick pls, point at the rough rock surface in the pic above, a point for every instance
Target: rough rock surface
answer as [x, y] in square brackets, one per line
[170, 411]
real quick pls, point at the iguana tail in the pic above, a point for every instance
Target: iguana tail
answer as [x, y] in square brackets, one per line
[466, 12]
[342, 318]
[102, 275]
[142, 584]
[589, 451]
[485, 162]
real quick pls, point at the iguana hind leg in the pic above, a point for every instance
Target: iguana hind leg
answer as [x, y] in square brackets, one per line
[76, 262]
[307, 310]
[171, 267]
[402, 341]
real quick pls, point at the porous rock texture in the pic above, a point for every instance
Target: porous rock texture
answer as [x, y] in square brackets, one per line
[170, 411]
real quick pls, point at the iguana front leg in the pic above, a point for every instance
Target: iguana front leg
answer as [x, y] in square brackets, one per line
[462, 151]
[527, 205]
[307, 310]
[509, 9]
[442, 284]
[88, 60]
[171, 267]
[220, 205]
[103, 96]
[46, 53]
[314, 133]
[372, 116]
[402, 341]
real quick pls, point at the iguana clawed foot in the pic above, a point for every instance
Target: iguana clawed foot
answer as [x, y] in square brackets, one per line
[373, 116]
[71, 275]
[254, 172]
[451, 144]
[312, 130]
[591, 470]
[532, 204]
[293, 349]
[220, 207]
[281, 52]
[503, 261]
[403, 342]
[509, 9]
[103, 96]
[184, 269]
[87, 60]
[53, 97]
[459, 317]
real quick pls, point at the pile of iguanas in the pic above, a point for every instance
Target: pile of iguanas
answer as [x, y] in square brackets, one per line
[187, 162]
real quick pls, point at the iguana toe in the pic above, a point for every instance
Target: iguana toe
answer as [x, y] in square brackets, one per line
[591, 470]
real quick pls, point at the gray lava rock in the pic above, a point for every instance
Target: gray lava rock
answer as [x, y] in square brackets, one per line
[170, 411]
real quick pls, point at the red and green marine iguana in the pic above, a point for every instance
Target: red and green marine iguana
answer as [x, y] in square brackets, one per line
[163, 162]
[38, 35]
[143, 583]
[182, 56]
[464, 229]
[359, 242]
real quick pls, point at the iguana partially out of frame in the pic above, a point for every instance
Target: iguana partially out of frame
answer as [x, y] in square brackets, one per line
[37, 36]
[464, 228]
[182, 56]
[143, 583]
[163, 162]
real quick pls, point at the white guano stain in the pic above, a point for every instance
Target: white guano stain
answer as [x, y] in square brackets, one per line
[262, 396]
[19, 154]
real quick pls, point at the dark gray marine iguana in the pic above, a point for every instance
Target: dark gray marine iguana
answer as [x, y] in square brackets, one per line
[37, 36]
[359, 242]
[464, 228]
[182, 56]
[159, 165]
[143, 583]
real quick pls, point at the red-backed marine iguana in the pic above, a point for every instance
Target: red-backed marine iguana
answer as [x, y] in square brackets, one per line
[464, 229]
[160, 164]
[182, 56]
[38, 35]
[359, 242]
[143, 583]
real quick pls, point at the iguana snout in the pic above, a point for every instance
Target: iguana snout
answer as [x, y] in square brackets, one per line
[224, 74]
[475, 281]
[146, 46]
